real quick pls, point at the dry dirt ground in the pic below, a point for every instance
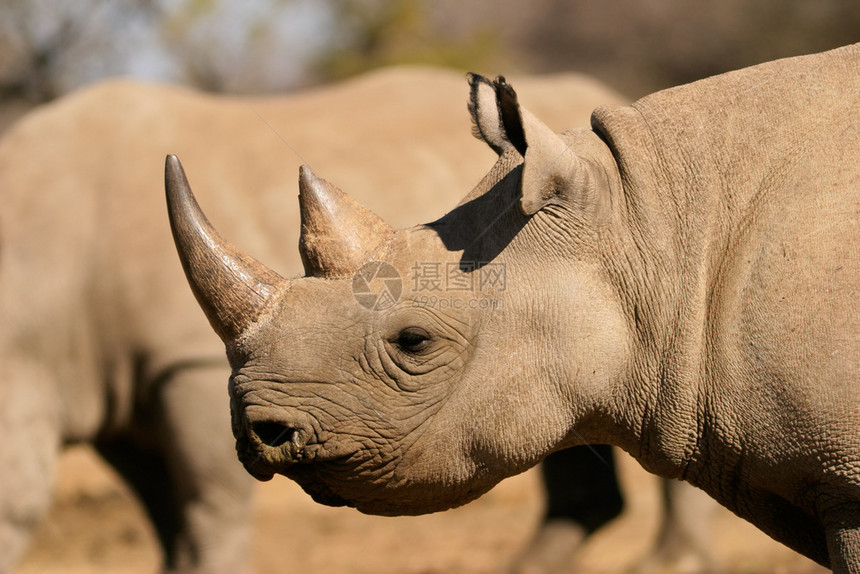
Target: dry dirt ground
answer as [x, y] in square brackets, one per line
[97, 527]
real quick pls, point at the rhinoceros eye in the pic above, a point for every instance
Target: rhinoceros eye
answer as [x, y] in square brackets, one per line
[413, 340]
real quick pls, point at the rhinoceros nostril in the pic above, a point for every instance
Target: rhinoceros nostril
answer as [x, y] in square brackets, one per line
[273, 434]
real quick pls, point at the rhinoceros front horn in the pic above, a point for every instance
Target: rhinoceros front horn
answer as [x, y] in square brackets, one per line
[231, 287]
[338, 233]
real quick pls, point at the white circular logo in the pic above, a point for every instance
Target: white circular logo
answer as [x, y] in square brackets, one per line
[377, 286]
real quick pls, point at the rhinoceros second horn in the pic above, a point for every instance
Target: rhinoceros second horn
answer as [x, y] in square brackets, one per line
[338, 233]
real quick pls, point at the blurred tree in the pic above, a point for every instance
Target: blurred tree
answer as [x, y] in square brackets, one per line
[252, 45]
[640, 47]
[48, 47]
[376, 33]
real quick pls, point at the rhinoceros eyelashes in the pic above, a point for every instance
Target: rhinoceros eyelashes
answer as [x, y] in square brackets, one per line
[232, 288]
[413, 340]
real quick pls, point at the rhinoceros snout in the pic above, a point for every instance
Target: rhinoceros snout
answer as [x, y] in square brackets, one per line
[268, 445]
[274, 434]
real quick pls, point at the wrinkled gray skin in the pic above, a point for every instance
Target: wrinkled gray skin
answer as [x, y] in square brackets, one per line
[101, 339]
[682, 281]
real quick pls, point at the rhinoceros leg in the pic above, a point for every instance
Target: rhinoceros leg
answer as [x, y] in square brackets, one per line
[214, 489]
[145, 470]
[843, 539]
[582, 496]
[684, 542]
[30, 434]
[195, 490]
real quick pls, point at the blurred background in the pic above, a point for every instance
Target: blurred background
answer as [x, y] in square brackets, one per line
[51, 47]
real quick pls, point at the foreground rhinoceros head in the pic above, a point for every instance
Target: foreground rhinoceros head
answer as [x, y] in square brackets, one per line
[410, 371]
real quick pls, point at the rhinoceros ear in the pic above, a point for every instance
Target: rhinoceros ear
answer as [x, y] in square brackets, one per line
[552, 172]
[494, 121]
[338, 233]
[232, 288]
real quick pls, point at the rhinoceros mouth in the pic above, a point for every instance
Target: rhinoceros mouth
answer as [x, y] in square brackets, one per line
[254, 461]
[263, 460]
[258, 468]
[304, 476]
[320, 492]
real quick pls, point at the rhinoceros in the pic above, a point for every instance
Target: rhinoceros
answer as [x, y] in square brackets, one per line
[101, 339]
[681, 280]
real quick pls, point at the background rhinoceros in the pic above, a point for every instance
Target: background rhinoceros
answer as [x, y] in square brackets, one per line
[682, 281]
[101, 339]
